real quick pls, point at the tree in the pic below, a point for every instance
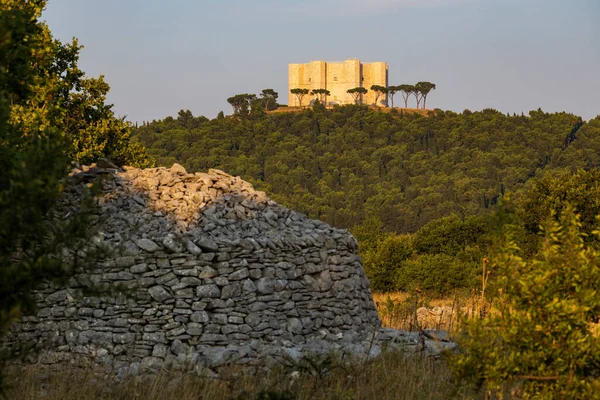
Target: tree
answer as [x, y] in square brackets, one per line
[551, 193]
[392, 91]
[69, 101]
[321, 95]
[357, 93]
[236, 102]
[35, 157]
[299, 93]
[416, 91]
[406, 91]
[241, 103]
[379, 91]
[540, 340]
[269, 97]
[424, 88]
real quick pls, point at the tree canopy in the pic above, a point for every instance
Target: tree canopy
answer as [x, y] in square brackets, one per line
[357, 93]
[379, 91]
[299, 93]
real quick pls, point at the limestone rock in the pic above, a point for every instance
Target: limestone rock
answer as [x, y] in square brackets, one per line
[147, 245]
[159, 293]
[215, 273]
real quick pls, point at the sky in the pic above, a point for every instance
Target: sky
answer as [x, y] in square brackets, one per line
[160, 56]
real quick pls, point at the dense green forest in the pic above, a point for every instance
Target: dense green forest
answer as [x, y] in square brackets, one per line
[415, 190]
[349, 163]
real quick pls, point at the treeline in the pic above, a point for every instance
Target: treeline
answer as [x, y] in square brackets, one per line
[419, 91]
[244, 103]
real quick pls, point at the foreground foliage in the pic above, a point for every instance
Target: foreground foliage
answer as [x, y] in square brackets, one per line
[50, 115]
[540, 338]
[46, 88]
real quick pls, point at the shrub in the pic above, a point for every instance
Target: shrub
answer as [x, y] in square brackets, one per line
[539, 339]
[450, 235]
[438, 274]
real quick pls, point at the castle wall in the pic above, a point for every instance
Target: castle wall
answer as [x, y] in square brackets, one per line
[375, 73]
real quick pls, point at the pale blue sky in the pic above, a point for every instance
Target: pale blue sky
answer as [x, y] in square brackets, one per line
[161, 56]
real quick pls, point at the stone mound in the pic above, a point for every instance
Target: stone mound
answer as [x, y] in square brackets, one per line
[209, 272]
[214, 273]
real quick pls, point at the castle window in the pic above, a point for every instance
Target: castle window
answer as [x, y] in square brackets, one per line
[309, 79]
[335, 78]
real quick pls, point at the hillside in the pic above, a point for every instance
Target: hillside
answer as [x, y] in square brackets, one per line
[348, 163]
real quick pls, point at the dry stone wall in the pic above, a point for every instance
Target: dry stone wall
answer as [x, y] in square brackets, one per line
[208, 271]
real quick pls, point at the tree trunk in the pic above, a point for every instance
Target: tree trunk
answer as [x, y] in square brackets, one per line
[424, 100]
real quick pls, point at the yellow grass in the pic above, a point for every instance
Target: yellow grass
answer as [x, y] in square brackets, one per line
[379, 298]
[398, 310]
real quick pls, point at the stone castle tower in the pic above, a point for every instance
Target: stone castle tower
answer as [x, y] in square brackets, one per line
[338, 77]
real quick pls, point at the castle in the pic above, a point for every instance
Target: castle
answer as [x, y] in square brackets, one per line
[338, 77]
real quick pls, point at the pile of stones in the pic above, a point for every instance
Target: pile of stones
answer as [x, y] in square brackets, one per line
[203, 271]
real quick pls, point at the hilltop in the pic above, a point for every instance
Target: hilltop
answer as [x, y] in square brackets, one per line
[392, 110]
[349, 163]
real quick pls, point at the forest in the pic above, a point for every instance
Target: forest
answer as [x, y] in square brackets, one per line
[394, 179]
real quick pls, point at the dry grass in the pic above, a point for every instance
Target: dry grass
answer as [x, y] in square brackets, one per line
[398, 310]
[391, 376]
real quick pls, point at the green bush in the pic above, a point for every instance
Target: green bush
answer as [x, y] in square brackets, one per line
[540, 340]
[384, 264]
[437, 274]
[450, 235]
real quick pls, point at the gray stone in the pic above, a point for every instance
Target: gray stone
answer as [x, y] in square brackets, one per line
[147, 245]
[159, 293]
[191, 281]
[160, 350]
[440, 336]
[231, 291]
[192, 248]
[139, 268]
[172, 245]
[210, 291]
[294, 326]
[208, 245]
[200, 317]
[239, 274]
[265, 285]
[207, 272]
[248, 286]
[123, 338]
